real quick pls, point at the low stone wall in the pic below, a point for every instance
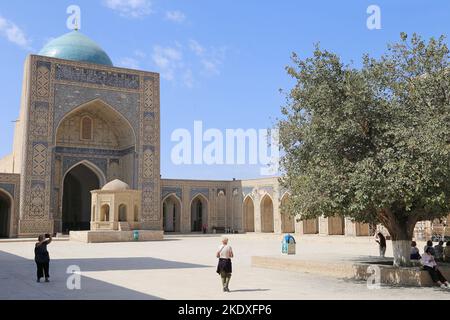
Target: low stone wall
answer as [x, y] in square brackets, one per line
[335, 269]
[115, 236]
[389, 275]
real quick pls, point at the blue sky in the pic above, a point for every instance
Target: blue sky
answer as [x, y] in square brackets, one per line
[221, 62]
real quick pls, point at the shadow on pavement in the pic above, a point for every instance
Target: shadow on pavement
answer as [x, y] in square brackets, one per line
[250, 290]
[17, 277]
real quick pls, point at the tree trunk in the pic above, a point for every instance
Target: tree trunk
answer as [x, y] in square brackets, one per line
[401, 230]
[402, 252]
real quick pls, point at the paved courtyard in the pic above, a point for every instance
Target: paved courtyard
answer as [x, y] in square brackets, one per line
[183, 268]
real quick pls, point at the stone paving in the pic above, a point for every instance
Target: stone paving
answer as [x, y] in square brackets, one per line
[183, 267]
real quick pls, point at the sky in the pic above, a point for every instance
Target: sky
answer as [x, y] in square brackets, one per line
[221, 62]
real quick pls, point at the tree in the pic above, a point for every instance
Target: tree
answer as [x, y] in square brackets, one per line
[371, 143]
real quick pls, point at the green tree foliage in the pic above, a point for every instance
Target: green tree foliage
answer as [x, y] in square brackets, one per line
[371, 143]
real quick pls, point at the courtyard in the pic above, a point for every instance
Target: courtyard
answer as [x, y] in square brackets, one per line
[182, 267]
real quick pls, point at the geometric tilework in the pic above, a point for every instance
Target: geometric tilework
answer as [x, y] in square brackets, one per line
[98, 77]
[70, 97]
[94, 151]
[247, 190]
[148, 96]
[37, 202]
[8, 188]
[171, 190]
[42, 81]
[39, 159]
[70, 161]
[148, 165]
[203, 191]
[40, 123]
[56, 89]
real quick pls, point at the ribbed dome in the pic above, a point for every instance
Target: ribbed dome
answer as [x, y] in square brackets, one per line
[76, 46]
[116, 185]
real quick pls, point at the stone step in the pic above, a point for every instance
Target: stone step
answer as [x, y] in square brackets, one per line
[124, 226]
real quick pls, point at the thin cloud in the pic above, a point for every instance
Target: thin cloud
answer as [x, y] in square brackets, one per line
[130, 63]
[211, 58]
[211, 66]
[140, 54]
[175, 16]
[182, 63]
[168, 60]
[14, 34]
[130, 8]
[196, 47]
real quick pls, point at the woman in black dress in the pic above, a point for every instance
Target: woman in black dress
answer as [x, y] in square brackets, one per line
[42, 258]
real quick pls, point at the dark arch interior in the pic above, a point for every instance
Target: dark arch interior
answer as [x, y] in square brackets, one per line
[78, 184]
[249, 214]
[171, 215]
[198, 215]
[5, 207]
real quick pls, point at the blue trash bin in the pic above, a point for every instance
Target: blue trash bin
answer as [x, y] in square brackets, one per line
[288, 244]
[136, 235]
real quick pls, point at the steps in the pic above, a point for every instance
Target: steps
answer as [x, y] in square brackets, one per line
[124, 226]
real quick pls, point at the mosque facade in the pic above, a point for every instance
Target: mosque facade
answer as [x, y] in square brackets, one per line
[84, 123]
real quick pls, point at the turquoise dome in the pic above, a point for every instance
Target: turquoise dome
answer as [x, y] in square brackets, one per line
[76, 46]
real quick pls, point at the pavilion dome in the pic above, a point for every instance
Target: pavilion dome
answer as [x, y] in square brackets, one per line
[76, 46]
[116, 185]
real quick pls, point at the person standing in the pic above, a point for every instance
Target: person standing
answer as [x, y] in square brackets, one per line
[381, 240]
[224, 267]
[430, 265]
[42, 257]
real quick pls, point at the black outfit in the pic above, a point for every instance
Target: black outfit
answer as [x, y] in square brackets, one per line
[415, 256]
[224, 266]
[382, 240]
[435, 274]
[42, 259]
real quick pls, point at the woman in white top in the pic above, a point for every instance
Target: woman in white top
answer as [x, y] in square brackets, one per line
[430, 265]
[224, 267]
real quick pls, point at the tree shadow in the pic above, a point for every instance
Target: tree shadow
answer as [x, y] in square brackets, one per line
[250, 290]
[124, 264]
[18, 279]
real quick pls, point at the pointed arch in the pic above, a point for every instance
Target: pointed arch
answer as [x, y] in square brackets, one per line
[171, 213]
[123, 213]
[287, 219]
[121, 126]
[98, 172]
[6, 213]
[86, 128]
[199, 212]
[266, 212]
[76, 200]
[249, 214]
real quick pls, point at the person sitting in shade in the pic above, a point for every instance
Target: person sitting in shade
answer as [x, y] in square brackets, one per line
[429, 245]
[439, 251]
[415, 255]
[430, 265]
[447, 252]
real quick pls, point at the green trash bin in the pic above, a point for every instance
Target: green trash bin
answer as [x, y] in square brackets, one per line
[136, 235]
